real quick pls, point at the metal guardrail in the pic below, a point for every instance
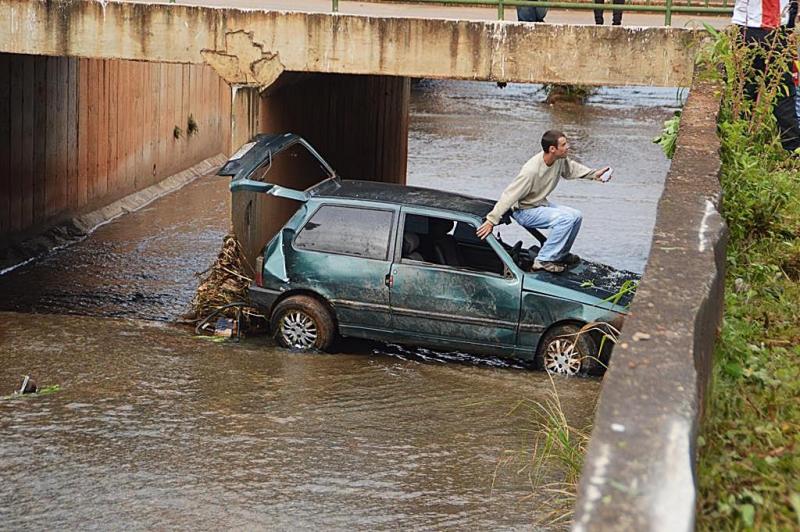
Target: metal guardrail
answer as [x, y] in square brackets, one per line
[668, 8]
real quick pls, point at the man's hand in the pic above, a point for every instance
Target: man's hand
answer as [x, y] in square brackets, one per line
[485, 230]
[600, 172]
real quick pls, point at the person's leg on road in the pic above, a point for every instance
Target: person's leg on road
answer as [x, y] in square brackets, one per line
[563, 222]
[617, 17]
[598, 13]
[786, 116]
[531, 14]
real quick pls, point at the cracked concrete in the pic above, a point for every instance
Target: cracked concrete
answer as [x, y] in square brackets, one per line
[244, 62]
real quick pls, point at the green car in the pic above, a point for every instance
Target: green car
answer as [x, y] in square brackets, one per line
[403, 265]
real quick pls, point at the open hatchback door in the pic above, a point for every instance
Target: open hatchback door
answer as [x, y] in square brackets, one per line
[250, 164]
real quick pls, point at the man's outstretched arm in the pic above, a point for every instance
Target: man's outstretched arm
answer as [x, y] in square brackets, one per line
[575, 170]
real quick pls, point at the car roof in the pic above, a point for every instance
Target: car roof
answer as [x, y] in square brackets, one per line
[403, 195]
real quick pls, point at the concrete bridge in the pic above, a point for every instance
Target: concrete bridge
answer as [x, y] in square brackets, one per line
[101, 100]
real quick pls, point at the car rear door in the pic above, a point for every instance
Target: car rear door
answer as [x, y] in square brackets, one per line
[459, 306]
[342, 252]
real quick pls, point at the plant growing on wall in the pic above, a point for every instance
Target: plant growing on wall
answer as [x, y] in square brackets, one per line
[669, 135]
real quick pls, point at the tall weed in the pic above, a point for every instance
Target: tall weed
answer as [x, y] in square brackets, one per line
[558, 449]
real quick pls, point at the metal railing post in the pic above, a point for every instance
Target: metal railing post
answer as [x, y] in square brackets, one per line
[335, 6]
[501, 10]
[668, 14]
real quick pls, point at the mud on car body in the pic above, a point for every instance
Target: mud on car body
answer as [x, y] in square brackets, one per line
[402, 264]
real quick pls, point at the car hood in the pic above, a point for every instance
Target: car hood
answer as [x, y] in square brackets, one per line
[589, 282]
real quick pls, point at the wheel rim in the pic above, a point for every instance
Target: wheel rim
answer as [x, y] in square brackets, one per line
[562, 357]
[298, 329]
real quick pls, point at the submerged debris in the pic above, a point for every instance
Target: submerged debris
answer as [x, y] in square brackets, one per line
[28, 386]
[565, 93]
[224, 285]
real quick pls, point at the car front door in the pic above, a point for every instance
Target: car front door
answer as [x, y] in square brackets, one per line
[452, 292]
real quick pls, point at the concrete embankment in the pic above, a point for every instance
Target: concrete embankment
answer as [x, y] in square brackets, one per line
[639, 471]
[77, 228]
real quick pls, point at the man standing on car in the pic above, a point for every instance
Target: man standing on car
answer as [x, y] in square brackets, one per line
[527, 196]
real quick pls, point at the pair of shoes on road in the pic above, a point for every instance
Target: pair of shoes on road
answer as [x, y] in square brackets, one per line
[570, 259]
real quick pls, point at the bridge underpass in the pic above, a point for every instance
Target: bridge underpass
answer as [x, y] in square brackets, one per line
[279, 79]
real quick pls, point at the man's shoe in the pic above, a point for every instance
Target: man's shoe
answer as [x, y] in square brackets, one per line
[548, 266]
[570, 259]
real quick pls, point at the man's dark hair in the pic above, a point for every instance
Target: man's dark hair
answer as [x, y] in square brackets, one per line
[550, 138]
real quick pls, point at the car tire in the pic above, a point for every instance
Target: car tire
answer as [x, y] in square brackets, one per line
[302, 322]
[565, 351]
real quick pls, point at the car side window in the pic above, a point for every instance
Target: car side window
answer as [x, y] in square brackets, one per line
[447, 242]
[351, 231]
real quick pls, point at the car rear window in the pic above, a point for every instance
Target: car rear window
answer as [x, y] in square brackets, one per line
[347, 231]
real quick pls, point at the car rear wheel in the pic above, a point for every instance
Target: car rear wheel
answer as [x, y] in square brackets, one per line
[564, 350]
[302, 322]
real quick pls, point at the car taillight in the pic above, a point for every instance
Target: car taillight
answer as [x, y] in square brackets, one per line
[259, 271]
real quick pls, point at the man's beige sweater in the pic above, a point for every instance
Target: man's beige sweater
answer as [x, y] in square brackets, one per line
[535, 181]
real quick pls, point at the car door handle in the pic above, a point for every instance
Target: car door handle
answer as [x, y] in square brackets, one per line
[389, 280]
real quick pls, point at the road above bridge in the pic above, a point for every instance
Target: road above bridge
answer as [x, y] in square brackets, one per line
[417, 10]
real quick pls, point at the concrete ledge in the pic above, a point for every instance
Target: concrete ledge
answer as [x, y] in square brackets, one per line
[639, 470]
[254, 47]
[78, 228]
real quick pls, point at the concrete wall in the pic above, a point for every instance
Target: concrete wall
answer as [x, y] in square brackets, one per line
[639, 470]
[359, 124]
[250, 46]
[77, 134]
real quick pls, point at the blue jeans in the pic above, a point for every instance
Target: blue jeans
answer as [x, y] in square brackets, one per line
[563, 222]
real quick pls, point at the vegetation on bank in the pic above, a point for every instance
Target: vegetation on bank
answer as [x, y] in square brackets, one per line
[749, 456]
[563, 93]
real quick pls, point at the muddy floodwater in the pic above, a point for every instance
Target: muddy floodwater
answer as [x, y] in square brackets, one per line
[155, 428]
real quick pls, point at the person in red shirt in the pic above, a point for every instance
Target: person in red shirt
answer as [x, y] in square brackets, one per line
[763, 22]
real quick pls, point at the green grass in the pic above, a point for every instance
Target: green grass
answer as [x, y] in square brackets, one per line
[749, 456]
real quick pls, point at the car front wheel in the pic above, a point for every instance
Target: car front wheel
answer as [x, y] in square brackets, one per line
[302, 322]
[564, 350]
